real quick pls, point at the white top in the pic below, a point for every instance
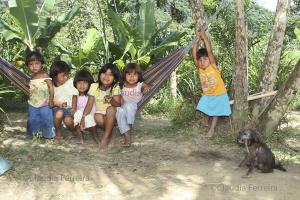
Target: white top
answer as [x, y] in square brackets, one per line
[65, 92]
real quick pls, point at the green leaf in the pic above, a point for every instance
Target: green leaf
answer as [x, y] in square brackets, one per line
[173, 37]
[146, 22]
[49, 32]
[89, 48]
[118, 27]
[60, 47]
[8, 32]
[90, 42]
[45, 13]
[293, 55]
[6, 91]
[167, 43]
[160, 30]
[64, 19]
[151, 41]
[131, 49]
[66, 58]
[25, 12]
[120, 63]
[115, 50]
[297, 33]
[144, 59]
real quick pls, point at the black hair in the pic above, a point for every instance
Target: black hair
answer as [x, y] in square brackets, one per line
[115, 71]
[34, 56]
[133, 67]
[83, 75]
[202, 52]
[58, 67]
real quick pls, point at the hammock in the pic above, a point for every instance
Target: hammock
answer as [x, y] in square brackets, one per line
[16, 76]
[155, 75]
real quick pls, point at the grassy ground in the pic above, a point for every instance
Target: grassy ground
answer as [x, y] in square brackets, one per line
[165, 162]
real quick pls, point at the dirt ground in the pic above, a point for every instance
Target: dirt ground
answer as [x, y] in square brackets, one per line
[155, 167]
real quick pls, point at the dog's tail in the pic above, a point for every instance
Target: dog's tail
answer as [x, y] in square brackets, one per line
[279, 167]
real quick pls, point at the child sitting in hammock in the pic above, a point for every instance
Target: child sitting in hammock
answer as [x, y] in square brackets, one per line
[63, 94]
[82, 81]
[214, 101]
[132, 92]
[106, 95]
[40, 101]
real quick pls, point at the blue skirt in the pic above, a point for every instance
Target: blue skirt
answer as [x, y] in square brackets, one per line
[217, 105]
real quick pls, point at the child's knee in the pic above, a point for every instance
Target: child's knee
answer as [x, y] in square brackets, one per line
[58, 115]
[68, 121]
[111, 110]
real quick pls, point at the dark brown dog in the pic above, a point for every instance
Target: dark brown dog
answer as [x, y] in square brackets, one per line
[258, 154]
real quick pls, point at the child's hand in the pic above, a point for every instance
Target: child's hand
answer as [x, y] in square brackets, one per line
[81, 124]
[146, 88]
[72, 110]
[51, 104]
[107, 98]
[63, 105]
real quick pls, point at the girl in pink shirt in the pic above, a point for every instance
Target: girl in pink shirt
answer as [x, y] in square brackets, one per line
[132, 92]
[82, 81]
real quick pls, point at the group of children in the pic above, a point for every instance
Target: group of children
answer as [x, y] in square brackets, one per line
[56, 100]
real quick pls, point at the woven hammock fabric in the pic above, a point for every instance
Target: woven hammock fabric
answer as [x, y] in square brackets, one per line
[155, 75]
[16, 76]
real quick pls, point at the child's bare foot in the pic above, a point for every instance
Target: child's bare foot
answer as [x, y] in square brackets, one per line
[80, 141]
[127, 139]
[209, 134]
[103, 148]
[126, 145]
[97, 140]
[58, 138]
[103, 145]
[70, 136]
[205, 121]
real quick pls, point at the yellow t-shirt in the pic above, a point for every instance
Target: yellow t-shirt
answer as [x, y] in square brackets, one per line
[211, 81]
[39, 93]
[99, 95]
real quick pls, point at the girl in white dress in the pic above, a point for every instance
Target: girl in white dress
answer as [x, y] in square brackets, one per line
[82, 81]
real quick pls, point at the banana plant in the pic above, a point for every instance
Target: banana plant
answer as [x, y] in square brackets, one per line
[35, 27]
[141, 42]
[90, 45]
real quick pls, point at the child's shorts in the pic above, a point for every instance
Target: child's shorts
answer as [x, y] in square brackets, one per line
[66, 111]
[214, 105]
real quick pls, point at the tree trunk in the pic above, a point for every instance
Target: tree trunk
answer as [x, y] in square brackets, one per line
[269, 118]
[240, 80]
[173, 84]
[271, 62]
[198, 12]
[2, 121]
